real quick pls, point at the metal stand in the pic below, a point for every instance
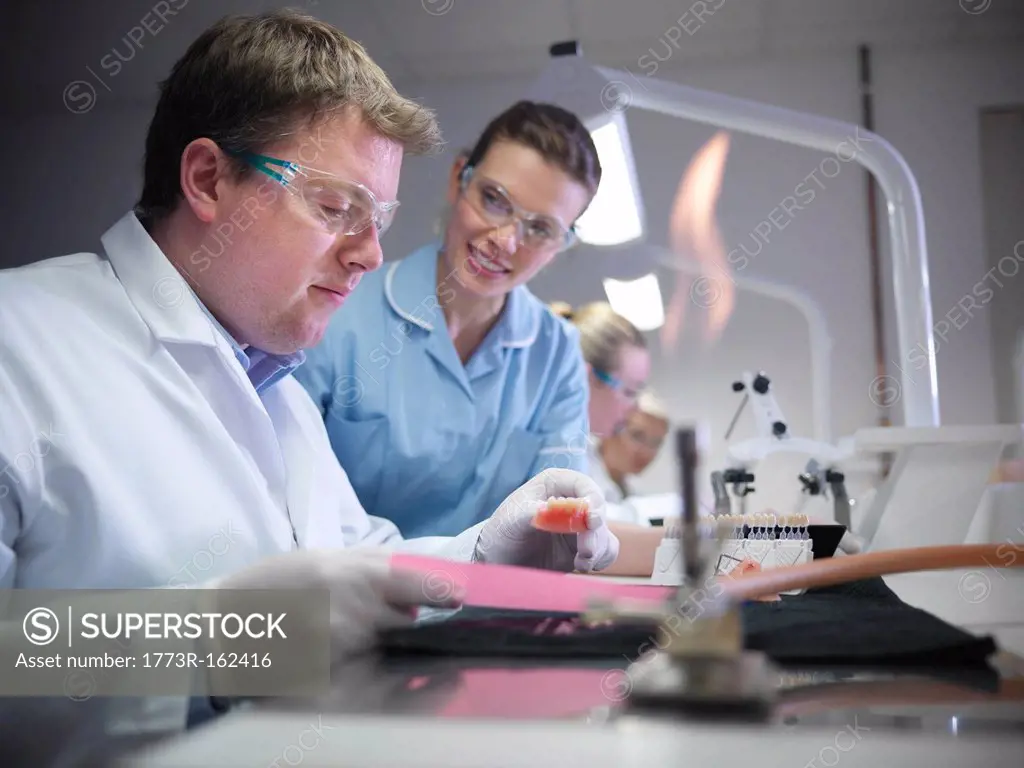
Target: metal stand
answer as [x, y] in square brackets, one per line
[740, 687]
[774, 436]
[816, 480]
[700, 668]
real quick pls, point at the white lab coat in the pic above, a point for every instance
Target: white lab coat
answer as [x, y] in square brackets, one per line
[617, 507]
[135, 452]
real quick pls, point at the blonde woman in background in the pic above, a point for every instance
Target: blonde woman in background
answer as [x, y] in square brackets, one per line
[630, 451]
[618, 365]
[617, 360]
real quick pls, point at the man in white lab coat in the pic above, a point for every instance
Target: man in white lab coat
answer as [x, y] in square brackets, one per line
[150, 432]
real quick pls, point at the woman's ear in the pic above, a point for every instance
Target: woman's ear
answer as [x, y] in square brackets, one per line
[455, 177]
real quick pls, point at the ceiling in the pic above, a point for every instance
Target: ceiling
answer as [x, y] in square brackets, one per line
[53, 42]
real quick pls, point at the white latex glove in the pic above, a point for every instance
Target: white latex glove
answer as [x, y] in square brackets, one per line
[509, 537]
[367, 594]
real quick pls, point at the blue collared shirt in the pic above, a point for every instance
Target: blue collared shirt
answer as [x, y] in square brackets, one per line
[430, 443]
[263, 368]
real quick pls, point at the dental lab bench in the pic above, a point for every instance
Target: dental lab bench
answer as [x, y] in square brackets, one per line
[844, 671]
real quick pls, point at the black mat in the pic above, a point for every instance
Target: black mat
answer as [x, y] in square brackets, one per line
[861, 623]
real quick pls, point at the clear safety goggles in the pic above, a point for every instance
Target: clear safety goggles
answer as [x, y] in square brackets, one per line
[632, 394]
[640, 438]
[340, 206]
[494, 203]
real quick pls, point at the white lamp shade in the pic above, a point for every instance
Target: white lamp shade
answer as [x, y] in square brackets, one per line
[639, 301]
[614, 216]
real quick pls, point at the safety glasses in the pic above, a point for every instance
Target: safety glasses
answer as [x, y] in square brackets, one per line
[640, 438]
[340, 206]
[495, 204]
[617, 384]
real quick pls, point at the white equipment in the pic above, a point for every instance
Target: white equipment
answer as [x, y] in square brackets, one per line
[769, 540]
[936, 483]
[822, 472]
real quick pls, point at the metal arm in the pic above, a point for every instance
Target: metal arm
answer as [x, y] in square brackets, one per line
[816, 478]
[722, 504]
[770, 420]
[773, 432]
[821, 341]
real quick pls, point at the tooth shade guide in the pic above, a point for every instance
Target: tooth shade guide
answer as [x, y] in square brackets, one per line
[767, 525]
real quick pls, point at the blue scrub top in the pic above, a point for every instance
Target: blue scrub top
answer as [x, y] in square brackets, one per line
[428, 443]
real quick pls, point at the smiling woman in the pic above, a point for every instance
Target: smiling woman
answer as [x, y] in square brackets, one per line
[465, 384]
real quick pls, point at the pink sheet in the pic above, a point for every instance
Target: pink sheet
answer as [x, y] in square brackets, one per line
[505, 586]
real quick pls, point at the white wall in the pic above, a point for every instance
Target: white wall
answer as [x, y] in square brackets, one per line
[1002, 153]
[929, 108]
[76, 173]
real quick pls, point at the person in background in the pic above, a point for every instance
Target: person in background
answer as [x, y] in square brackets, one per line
[618, 363]
[445, 383]
[617, 360]
[629, 451]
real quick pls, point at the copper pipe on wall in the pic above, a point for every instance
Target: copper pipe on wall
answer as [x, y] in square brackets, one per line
[838, 570]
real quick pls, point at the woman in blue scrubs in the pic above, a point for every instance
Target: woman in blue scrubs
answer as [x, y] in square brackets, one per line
[444, 383]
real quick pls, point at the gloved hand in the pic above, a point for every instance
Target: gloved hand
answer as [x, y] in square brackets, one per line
[368, 595]
[509, 538]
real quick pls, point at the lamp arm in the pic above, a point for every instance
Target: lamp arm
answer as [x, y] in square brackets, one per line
[920, 394]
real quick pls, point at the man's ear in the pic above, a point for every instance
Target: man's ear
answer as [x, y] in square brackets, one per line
[203, 167]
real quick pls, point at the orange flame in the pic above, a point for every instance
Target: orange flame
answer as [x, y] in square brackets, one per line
[694, 234]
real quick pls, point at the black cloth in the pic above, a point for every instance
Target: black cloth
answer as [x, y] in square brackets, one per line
[862, 623]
